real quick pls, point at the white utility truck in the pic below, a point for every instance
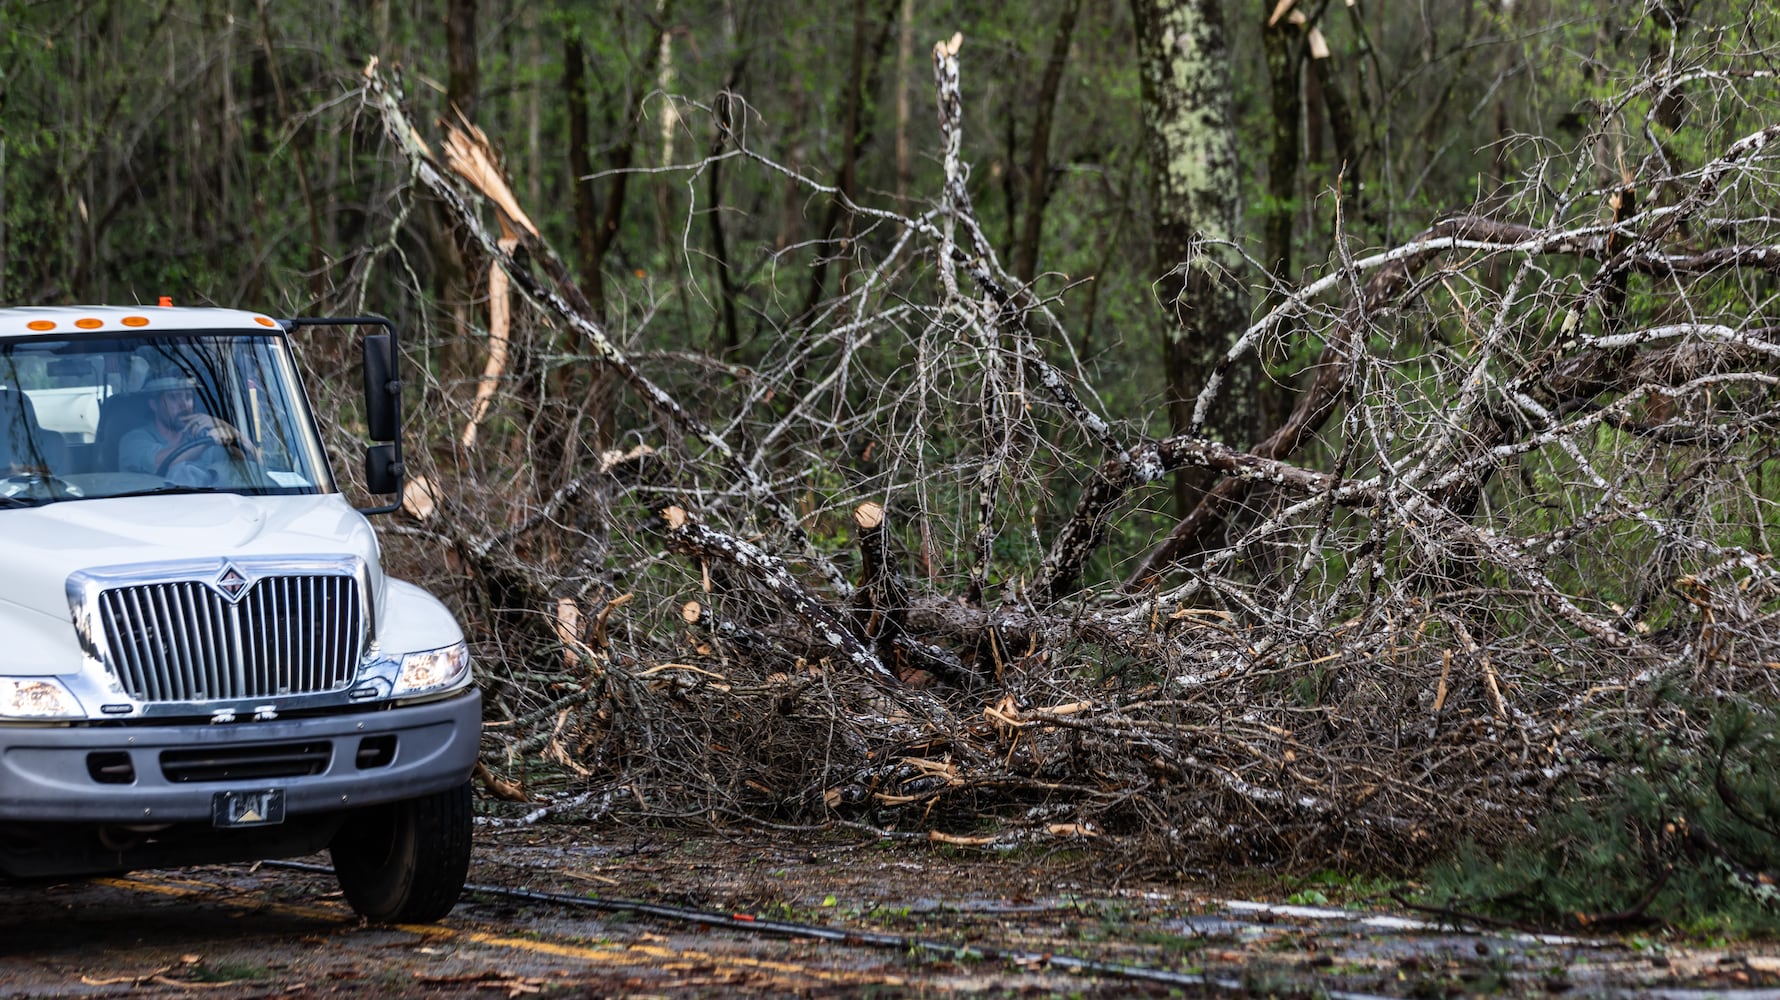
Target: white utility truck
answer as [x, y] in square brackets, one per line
[207, 662]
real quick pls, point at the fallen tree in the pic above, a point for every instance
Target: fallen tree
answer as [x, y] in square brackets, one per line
[898, 575]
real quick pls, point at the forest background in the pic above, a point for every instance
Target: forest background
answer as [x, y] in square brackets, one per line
[1326, 434]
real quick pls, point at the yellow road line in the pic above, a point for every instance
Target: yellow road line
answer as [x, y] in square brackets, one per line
[630, 955]
[675, 957]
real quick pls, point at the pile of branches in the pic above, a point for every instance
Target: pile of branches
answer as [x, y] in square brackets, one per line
[905, 573]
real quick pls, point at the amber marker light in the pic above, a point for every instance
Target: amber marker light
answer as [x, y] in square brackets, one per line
[263, 321]
[89, 323]
[40, 324]
[135, 320]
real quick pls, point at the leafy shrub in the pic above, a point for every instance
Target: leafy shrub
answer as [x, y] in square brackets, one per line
[1685, 832]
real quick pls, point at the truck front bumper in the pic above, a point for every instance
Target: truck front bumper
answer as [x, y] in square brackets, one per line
[155, 774]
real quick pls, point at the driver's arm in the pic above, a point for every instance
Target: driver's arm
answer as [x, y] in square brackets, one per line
[221, 432]
[140, 451]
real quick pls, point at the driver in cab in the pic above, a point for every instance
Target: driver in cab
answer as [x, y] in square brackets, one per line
[181, 444]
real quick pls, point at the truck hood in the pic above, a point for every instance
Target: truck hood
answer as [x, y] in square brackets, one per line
[41, 546]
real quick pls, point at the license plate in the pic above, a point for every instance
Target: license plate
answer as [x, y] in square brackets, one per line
[260, 807]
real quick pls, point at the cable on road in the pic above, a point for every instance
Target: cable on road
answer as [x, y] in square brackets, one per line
[750, 924]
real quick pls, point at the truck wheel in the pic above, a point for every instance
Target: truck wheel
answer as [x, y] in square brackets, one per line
[405, 862]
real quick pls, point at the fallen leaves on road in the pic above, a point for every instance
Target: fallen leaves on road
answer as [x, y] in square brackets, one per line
[121, 980]
[159, 977]
[491, 980]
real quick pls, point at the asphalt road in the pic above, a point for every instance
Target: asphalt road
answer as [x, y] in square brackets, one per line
[237, 933]
[985, 924]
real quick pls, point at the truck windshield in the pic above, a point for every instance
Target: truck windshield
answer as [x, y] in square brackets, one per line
[108, 415]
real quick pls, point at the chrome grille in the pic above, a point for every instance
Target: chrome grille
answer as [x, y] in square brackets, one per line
[184, 641]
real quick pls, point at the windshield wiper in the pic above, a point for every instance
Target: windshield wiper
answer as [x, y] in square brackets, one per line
[165, 488]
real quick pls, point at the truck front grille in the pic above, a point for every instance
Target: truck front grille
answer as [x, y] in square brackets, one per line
[184, 641]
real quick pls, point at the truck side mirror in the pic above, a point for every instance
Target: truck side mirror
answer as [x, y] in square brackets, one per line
[383, 389]
[383, 469]
[383, 403]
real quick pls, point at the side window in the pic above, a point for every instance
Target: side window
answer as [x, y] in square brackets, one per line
[269, 416]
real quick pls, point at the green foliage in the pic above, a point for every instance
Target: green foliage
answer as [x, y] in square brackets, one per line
[1685, 832]
[1338, 888]
[1308, 897]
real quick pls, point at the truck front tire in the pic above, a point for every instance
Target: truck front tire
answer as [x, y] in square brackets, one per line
[406, 862]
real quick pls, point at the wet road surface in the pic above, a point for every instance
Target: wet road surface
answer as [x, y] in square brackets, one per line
[244, 931]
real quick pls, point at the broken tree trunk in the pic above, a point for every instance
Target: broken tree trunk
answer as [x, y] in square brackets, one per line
[689, 537]
[881, 601]
[747, 641]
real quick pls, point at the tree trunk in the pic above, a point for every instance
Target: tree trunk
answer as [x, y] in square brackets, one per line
[453, 281]
[1184, 60]
[864, 66]
[1038, 187]
[574, 92]
[1282, 41]
[596, 224]
[905, 53]
[464, 78]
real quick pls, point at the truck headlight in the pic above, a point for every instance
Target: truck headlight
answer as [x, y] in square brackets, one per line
[433, 669]
[37, 698]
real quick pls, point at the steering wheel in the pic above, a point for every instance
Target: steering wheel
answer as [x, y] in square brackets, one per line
[194, 444]
[38, 485]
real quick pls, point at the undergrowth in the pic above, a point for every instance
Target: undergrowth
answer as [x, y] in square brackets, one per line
[1685, 834]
